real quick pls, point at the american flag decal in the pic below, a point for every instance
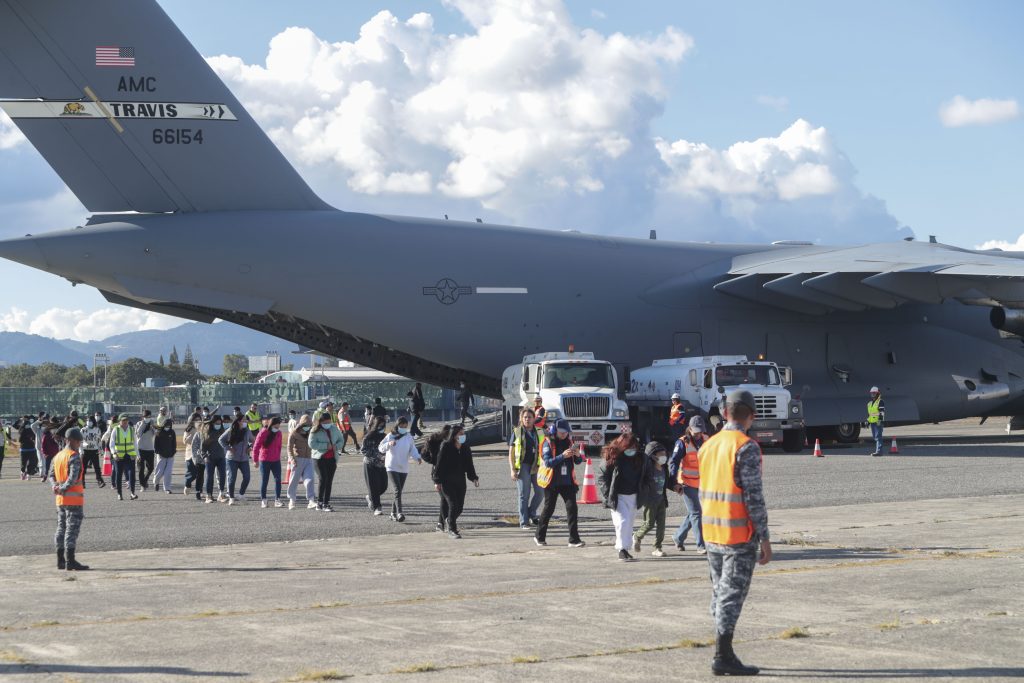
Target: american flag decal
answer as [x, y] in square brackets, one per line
[112, 55]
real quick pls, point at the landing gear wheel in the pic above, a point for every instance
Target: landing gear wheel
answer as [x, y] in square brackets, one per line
[848, 432]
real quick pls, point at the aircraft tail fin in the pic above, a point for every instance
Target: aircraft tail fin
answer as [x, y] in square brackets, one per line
[131, 116]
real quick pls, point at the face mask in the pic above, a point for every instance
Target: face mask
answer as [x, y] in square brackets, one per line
[275, 430]
[206, 414]
[403, 430]
[325, 425]
[305, 430]
[662, 459]
[462, 438]
[629, 453]
[167, 429]
[217, 426]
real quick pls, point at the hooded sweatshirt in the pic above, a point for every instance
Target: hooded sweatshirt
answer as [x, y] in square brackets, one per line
[298, 441]
[267, 447]
[397, 450]
[145, 432]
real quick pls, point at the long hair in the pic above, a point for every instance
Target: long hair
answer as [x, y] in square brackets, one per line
[616, 448]
[237, 435]
[437, 438]
[317, 427]
[453, 435]
[208, 433]
[401, 421]
[377, 424]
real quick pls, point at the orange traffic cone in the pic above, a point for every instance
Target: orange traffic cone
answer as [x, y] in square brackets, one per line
[288, 472]
[894, 449]
[817, 449]
[107, 467]
[588, 495]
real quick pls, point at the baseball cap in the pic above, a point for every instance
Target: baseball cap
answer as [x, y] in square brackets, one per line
[563, 425]
[697, 424]
[323, 404]
[675, 396]
[654, 447]
[740, 396]
[122, 416]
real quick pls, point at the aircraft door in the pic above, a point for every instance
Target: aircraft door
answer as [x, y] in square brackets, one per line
[686, 344]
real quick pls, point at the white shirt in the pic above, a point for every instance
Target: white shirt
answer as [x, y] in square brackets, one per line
[398, 451]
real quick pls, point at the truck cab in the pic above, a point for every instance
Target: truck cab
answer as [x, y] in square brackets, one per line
[571, 385]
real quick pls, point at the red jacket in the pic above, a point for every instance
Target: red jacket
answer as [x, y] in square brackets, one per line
[267, 447]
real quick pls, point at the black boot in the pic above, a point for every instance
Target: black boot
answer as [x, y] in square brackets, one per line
[74, 566]
[60, 558]
[726, 663]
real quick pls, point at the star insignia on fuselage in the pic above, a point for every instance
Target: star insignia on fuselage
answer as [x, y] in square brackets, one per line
[447, 291]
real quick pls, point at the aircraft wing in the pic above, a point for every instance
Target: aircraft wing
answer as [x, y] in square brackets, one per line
[817, 280]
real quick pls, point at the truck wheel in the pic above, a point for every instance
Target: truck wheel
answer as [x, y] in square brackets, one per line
[793, 440]
[848, 432]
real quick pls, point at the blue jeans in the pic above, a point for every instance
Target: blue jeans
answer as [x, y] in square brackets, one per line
[876, 434]
[219, 466]
[266, 468]
[528, 508]
[692, 519]
[119, 468]
[234, 466]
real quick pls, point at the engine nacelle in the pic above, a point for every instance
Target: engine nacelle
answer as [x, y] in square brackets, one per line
[1008, 320]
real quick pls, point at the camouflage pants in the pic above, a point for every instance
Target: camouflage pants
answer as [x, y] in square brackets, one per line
[730, 580]
[69, 523]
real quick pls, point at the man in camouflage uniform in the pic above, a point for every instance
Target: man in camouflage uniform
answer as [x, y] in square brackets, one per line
[735, 524]
[68, 486]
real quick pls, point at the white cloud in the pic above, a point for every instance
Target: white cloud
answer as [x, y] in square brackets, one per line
[1003, 244]
[10, 136]
[598, 14]
[776, 102]
[79, 325]
[961, 111]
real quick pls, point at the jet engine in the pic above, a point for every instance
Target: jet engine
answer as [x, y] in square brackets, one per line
[1008, 320]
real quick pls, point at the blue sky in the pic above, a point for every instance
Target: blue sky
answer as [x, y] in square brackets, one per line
[869, 77]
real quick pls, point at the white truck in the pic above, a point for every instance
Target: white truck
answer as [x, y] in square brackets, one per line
[702, 382]
[571, 385]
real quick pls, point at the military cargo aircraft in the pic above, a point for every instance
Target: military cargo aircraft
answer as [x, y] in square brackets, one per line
[196, 214]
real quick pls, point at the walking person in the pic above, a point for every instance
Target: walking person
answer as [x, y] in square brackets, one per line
[253, 419]
[37, 431]
[374, 471]
[122, 447]
[69, 488]
[557, 476]
[876, 419]
[91, 450]
[27, 448]
[145, 435]
[166, 446]
[194, 468]
[214, 457]
[235, 441]
[619, 482]
[266, 453]
[301, 463]
[466, 402]
[345, 422]
[48, 448]
[524, 458]
[736, 523]
[429, 454]
[161, 417]
[418, 406]
[367, 416]
[653, 498]
[684, 470]
[325, 443]
[398, 448]
[453, 468]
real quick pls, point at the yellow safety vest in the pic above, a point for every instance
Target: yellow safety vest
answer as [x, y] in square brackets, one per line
[873, 414]
[520, 434]
[254, 421]
[724, 520]
[124, 442]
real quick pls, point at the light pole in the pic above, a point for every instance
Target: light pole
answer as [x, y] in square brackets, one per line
[98, 358]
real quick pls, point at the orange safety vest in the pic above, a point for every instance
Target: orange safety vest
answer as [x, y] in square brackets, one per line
[538, 417]
[724, 520]
[689, 469]
[75, 494]
[546, 474]
[676, 415]
[346, 422]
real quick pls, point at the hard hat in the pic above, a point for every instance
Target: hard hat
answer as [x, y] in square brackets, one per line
[874, 390]
[675, 396]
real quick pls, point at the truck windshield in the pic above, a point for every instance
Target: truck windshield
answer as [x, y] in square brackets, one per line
[599, 375]
[732, 375]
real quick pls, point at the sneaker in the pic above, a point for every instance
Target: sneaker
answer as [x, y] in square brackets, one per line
[278, 503]
[208, 499]
[680, 547]
[439, 527]
[328, 508]
[145, 488]
[539, 542]
[577, 544]
[156, 488]
[133, 496]
[524, 526]
[535, 521]
[24, 476]
[319, 507]
[102, 484]
[369, 503]
[221, 498]
[401, 518]
[291, 504]
[629, 557]
[378, 512]
[120, 497]
[658, 552]
[875, 455]
[393, 516]
[188, 490]
[311, 505]
[241, 498]
[636, 544]
[263, 503]
[231, 501]
[623, 555]
[702, 551]
[454, 534]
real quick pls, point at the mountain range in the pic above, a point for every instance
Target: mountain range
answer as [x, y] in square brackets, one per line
[209, 342]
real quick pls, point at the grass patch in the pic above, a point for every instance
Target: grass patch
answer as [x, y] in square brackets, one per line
[528, 659]
[889, 625]
[330, 605]
[998, 614]
[793, 540]
[954, 553]
[12, 657]
[511, 521]
[795, 632]
[208, 613]
[416, 669]
[690, 644]
[651, 580]
[140, 617]
[331, 675]
[46, 622]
